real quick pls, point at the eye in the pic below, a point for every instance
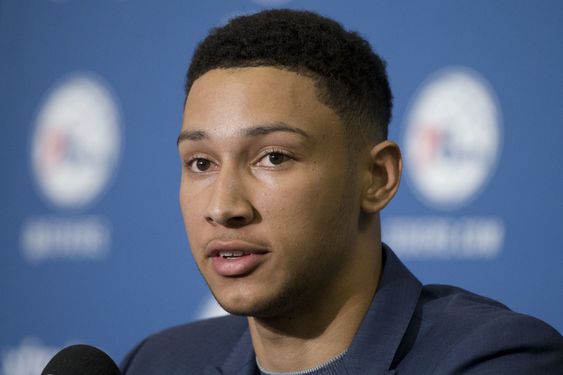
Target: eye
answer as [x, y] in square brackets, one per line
[274, 158]
[199, 164]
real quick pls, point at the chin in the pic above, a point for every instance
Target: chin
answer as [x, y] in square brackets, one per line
[237, 304]
[246, 305]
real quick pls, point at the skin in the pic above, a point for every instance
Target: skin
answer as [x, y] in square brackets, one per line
[267, 166]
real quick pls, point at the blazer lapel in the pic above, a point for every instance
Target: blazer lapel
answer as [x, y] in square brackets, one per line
[382, 330]
[241, 360]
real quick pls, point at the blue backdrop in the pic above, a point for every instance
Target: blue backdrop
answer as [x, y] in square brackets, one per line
[91, 91]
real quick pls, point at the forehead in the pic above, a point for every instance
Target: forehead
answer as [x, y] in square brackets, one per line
[225, 101]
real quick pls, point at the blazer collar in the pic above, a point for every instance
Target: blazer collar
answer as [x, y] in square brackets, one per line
[241, 360]
[378, 338]
[382, 330]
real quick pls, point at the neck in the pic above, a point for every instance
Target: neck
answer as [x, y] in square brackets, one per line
[314, 333]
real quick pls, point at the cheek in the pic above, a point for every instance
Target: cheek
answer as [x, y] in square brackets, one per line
[192, 208]
[304, 205]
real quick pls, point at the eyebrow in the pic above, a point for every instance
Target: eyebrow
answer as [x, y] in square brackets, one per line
[191, 135]
[255, 131]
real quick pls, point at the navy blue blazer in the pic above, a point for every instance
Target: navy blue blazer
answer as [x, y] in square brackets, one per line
[409, 329]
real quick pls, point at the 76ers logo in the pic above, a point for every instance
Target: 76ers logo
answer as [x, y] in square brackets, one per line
[452, 138]
[76, 143]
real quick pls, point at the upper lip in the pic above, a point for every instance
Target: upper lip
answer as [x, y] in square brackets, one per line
[215, 247]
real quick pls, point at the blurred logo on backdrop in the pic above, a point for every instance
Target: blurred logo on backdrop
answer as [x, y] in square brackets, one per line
[76, 143]
[75, 150]
[452, 142]
[452, 138]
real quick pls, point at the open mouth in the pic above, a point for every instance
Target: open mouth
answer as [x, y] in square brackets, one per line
[235, 258]
[232, 254]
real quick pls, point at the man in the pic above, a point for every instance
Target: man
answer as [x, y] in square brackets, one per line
[285, 168]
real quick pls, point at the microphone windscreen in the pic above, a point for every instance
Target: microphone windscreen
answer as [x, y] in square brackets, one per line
[81, 360]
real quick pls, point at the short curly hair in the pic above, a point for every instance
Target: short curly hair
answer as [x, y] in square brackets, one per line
[349, 77]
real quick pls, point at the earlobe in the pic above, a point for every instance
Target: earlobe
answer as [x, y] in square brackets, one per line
[382, 175]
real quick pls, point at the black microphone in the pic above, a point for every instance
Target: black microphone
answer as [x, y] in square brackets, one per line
[81, 360]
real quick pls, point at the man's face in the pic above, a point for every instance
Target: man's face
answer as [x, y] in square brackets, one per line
[269, 192]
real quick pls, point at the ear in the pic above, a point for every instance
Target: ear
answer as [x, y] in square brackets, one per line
[382, 177]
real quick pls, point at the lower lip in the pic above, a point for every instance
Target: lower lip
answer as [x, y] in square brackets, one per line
[236, 267]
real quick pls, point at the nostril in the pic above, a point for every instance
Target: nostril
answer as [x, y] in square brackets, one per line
[237, 221]
[233, 221]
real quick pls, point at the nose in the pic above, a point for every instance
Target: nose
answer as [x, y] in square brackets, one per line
[229, 205]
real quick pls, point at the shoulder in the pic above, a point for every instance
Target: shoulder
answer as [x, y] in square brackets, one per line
[187, 348]
[455, 331]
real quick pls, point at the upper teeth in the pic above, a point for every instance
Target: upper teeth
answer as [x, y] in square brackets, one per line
[229, 254]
